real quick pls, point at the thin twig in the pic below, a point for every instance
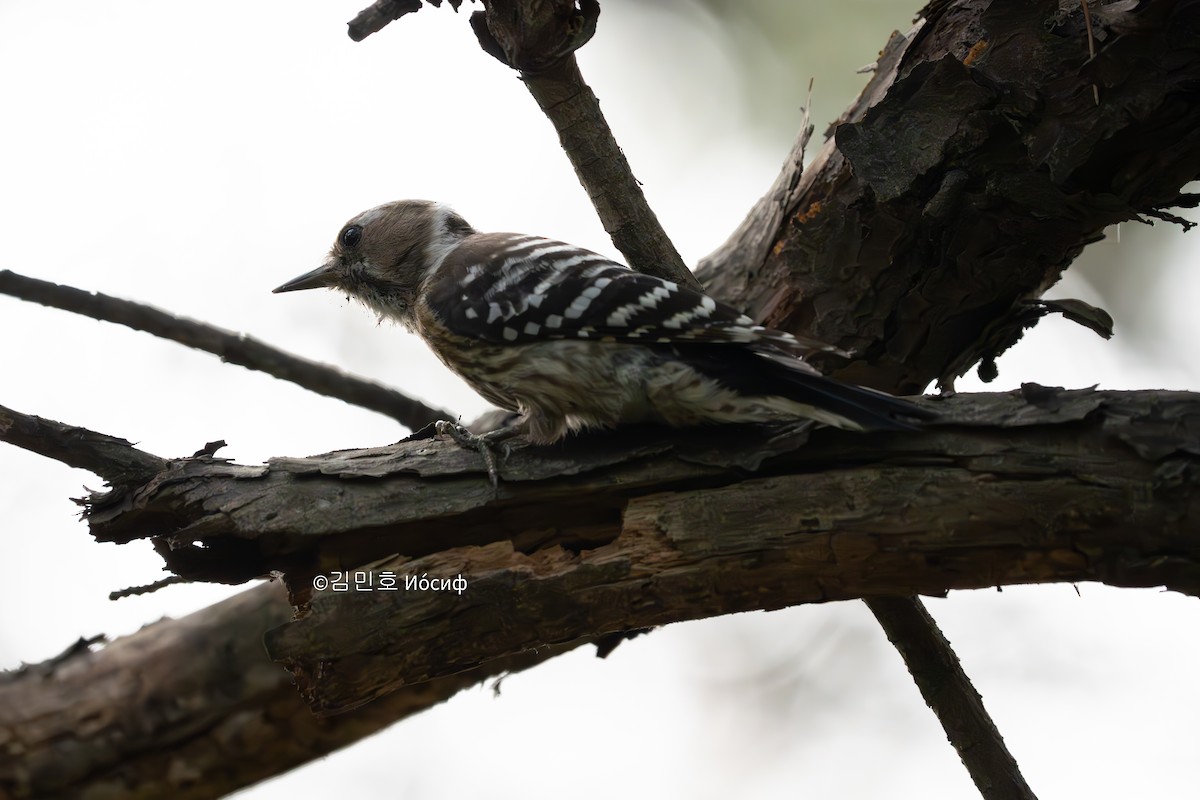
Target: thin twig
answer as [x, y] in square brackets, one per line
[601, 166]
[231, 347]
[539, 39]
[113, 459]
[949, 692]
[149, 588]
[374, 17]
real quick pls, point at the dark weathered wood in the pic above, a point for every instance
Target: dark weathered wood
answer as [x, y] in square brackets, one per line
[973, 170]
[189, 708]
[374, 17]
[939, 675]
[1071, 500]
[954, 225]
[646, 527]
[969, 173]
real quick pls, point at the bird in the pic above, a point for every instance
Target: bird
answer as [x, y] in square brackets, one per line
[572, 340]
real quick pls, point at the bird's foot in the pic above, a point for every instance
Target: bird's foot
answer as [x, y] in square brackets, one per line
[485, 444]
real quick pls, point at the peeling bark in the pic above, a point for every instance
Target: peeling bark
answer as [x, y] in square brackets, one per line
[972, 171]
[613, 533]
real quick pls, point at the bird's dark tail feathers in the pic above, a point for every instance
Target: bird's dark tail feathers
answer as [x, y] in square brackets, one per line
[769, 373]
[866, 408]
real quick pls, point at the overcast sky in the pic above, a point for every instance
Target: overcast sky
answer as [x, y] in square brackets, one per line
[194, 157]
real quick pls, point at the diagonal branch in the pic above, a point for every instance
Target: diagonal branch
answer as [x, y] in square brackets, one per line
[374, 17]
[972, 171]
[231, 347]
[113, 459]
[94, 723]
[602, 168]
[948, 690]
[539, 39]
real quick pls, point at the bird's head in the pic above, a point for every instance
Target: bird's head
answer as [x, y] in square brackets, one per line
[381, 256]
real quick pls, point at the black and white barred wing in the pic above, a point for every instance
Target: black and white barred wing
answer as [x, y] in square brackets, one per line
[512, 289]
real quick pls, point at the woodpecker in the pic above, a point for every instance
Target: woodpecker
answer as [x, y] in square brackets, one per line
[570, 339]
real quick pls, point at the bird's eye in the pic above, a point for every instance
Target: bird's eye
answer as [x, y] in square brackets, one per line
[351, 236]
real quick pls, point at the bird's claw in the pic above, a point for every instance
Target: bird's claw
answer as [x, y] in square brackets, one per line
[484, 444]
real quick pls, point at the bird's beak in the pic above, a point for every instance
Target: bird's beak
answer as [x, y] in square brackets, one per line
[320, 277]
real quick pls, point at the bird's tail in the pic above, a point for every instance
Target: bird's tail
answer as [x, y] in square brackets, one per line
[860, 407]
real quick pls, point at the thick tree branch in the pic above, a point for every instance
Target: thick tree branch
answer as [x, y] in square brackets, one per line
[635, 529]
[233, 348]
[972, 171]
[897, 260]
[189, 708]
[959, 186]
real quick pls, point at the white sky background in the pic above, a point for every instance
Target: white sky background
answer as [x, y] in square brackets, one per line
[194, 161]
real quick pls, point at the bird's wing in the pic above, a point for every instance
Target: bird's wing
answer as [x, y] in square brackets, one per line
[538, 289]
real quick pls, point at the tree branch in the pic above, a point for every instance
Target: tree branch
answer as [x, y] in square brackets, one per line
[919, 246]
[231, 347]
[924, 248]
[948, 690]
[964, 220]
[539, 39]
[636, 529]
[94, 723]
[374, 17]
[113, 459]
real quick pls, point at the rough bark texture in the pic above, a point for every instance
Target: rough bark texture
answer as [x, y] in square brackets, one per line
[970, 174]
[613, 533]
[946, 687]
[108, 456]
[973, 170]
[188, 708]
